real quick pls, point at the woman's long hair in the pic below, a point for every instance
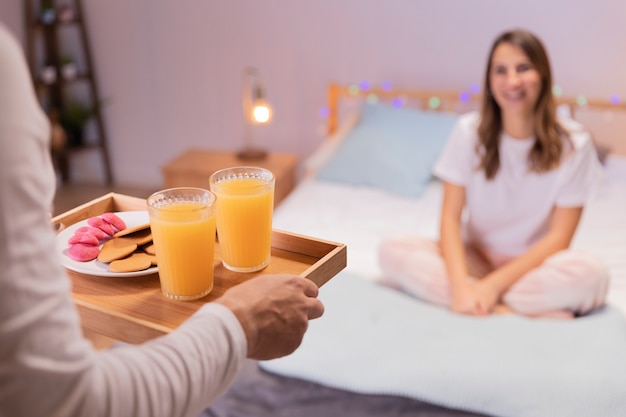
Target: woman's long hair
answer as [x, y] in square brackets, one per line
[548, 147]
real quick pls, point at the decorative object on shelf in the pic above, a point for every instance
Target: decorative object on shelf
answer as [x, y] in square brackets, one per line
[47, 15]
[255, 111]
[57, 41]
[74, 118]
[48, 74]
[68, 67]
[66, 13]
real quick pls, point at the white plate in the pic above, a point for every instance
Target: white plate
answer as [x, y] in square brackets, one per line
[131, 218]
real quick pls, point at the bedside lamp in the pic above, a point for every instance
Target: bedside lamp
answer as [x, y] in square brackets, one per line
[255, 111]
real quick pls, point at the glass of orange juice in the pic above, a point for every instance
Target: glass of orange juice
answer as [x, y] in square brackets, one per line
[183, 231]
[245, 203]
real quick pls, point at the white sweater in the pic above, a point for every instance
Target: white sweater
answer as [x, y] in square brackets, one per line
[47, 368]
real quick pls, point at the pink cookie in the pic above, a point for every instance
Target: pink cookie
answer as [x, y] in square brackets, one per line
[83, 253]
[93, 231]
[102, 225]
[84, 238]
[114, 220]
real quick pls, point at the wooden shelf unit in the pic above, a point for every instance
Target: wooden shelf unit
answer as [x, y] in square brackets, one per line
[46, 49]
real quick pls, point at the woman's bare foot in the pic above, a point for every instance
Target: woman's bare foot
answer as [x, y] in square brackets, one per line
[553, 314]
[503, 309]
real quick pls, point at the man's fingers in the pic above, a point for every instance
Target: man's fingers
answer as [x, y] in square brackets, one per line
[316, 309]
[310, 288]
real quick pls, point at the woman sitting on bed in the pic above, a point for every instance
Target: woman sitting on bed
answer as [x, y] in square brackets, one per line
[515, 182]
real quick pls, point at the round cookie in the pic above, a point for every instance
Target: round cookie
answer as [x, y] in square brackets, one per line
[140, 237]
[135, 262]
[115, 249]
[149, 249]
[131, 230]
[153, 258]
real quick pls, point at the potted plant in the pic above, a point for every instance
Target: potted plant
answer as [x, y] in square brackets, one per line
[74, 117]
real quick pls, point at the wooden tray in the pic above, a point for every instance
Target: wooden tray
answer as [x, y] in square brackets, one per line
[134, 309]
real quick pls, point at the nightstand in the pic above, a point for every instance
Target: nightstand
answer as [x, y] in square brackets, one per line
[194, 167]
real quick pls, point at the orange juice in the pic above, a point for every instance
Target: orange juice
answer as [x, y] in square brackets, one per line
[184, 240]
[244, 221]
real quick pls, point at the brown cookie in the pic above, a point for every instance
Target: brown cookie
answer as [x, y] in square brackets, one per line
[153, 258]
[132, 230]
[135, 262]
[140, 237]
[149, 249]
[116, 249]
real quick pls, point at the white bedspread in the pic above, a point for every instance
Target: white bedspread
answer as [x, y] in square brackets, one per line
[374, 340]
[357, 216]
[361, 217]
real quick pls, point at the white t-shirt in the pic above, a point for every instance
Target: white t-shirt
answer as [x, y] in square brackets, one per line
[47, 368]
[511, 212]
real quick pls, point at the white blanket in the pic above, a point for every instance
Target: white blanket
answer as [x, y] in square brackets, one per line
[361, 217]
[375, 340]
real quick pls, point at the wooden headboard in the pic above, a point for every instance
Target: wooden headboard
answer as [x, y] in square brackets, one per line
[604, 118]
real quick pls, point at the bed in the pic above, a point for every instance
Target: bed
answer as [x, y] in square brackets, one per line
[377, 352]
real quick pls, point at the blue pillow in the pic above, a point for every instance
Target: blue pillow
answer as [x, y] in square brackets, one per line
[391, 148]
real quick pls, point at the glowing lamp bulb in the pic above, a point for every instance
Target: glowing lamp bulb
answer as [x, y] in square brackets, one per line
[261, 113]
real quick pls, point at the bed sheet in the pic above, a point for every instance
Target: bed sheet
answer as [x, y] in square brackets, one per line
[358, 216]
[374, 340]
[361, 217]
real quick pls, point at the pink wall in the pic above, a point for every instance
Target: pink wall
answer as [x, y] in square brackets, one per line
[172, 70]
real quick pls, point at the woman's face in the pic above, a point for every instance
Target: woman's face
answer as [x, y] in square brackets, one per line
[514, 81]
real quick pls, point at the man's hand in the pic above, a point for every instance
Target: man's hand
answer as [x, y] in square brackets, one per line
[274, 311]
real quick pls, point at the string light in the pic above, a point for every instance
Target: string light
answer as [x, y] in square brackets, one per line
[397, 102]
[464, 97]
[434, 102]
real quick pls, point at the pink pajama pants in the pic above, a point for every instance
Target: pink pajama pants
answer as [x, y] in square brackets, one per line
[568, 280]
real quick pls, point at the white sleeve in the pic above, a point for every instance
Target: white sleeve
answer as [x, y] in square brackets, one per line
[47, 368]
[455, 164]
[581, 172]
